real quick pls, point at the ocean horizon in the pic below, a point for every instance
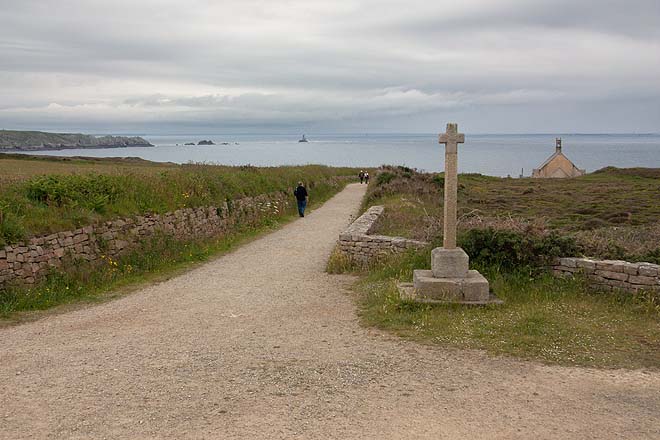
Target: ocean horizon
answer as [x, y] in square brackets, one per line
[490, 154]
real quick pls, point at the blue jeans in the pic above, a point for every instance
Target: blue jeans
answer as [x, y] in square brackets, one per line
[302, 204]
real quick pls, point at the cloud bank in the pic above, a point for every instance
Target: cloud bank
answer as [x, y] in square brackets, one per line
[291, 65]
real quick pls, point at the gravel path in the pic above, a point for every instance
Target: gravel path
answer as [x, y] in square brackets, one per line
[261, 343]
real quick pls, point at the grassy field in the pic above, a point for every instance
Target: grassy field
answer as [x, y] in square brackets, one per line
[42, 195]
[509, 226]
[17, 167]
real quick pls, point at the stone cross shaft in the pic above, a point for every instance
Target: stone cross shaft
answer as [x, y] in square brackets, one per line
[451, 138]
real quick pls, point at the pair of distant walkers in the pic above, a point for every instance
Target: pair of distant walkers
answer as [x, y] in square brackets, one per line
[301, 196]
[364, 177]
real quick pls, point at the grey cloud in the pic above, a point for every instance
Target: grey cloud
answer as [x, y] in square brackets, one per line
[638, 18]
[323, 63]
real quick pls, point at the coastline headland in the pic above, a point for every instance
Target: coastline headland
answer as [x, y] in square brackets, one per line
[16, 140]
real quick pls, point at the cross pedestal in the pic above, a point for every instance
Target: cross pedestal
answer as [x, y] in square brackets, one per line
[449, 279]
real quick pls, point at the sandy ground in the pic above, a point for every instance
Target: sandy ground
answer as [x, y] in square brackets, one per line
[261, 343]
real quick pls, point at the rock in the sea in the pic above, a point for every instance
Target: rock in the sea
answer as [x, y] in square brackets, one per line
[189, 143]
[205, 142]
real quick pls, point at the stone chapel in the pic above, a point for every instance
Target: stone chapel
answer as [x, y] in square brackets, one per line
[557, 165]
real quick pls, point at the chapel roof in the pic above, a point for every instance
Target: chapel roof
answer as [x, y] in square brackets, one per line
[556, 154]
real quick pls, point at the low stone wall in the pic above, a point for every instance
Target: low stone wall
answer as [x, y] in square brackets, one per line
[611, 274]
[26, 263]
[357, 243]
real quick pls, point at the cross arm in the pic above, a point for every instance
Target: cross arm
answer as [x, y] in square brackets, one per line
[448, 138]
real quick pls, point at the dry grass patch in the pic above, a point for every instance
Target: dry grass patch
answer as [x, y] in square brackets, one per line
[18, 167]
[613, 213]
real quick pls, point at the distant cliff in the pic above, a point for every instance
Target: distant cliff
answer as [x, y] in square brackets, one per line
[38, 140]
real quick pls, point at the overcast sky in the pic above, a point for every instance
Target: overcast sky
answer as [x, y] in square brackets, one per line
[493, 66]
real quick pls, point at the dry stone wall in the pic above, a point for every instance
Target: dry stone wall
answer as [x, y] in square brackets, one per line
[26, 263]
[358, 243]
[611, 274]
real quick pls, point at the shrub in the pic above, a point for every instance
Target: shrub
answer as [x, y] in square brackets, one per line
[10, 229]
[384, 178]
[340, 262]
[509, 249]
[650, 257]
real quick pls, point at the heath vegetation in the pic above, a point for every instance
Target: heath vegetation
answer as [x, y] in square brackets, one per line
[511, 228]
[612, 213]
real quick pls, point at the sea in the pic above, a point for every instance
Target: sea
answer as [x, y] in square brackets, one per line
[491, 154]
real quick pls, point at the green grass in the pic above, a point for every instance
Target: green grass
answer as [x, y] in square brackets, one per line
[157, 257]
[54, 195]
[550, 320]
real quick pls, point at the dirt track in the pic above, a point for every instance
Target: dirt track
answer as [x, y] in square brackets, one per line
[262, 344]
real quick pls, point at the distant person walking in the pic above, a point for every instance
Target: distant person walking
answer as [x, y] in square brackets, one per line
[366, 178]
[301, 196]
[361, 175]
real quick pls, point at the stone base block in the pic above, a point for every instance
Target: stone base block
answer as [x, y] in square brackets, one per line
[407, 291]
[449, 263]
[473, 287]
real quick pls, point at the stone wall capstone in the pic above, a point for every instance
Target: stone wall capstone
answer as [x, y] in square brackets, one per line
[611, 274]
[27, 262]
[357, 243]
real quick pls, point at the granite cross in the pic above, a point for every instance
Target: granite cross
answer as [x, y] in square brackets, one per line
[451, 138]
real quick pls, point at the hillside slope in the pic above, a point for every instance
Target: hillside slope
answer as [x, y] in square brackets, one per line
[38, 140]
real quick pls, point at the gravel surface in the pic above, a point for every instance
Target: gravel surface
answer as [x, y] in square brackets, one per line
[261, 343]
